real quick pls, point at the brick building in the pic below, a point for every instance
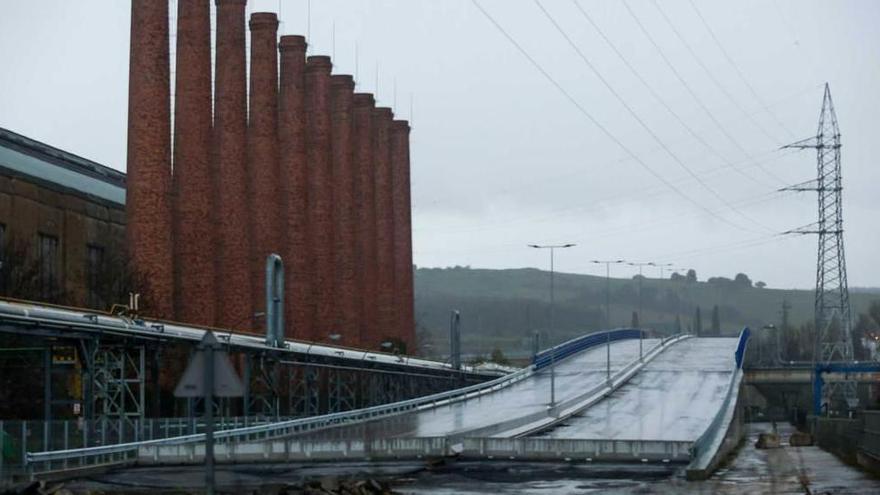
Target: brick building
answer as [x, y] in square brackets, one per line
[62, 223]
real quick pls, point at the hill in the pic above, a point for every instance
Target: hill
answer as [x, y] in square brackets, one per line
[503, 308]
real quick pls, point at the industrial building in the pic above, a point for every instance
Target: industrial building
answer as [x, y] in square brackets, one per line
[300, 165]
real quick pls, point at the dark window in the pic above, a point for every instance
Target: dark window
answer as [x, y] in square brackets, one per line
[48, 266]
[94, 273]
[4, 268]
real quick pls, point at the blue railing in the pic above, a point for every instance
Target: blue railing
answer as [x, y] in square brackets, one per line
[578, 344]
[741, 346]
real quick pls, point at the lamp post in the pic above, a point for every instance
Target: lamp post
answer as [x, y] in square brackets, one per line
[552, 248]
[607, 264]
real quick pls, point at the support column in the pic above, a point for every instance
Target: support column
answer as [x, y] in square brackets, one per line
[299, 302]
[191, 184]
[387, 317]
[230, 126]
[148, 202]
[264, 190]
[365, 215]
[346, 292]
[402, 213]
[320, 192]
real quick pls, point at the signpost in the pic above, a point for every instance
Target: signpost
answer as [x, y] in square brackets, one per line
[209, 374]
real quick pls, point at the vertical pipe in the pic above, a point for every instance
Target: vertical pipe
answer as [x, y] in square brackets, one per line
[365, 199]
[294, 181]
[274, 296]
[345, 288]
[230, 128]
[387, 321]
[209, 418]
[402, 213]
[320, 191]
[263, 176]
[552, 323]
[147, 207]
[191, 182]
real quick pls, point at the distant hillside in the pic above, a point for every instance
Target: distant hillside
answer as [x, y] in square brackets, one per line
[502, 308]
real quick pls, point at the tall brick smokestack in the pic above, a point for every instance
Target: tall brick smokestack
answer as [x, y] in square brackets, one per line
[320, 192]
[299, 301]
[401, 197]
[385, 292]
[230, 193]
[148, 202]
[193, 244]
[345, 287]
[365, 218]
[264, 191]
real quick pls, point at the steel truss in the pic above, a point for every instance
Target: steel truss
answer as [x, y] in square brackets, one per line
[832, 312]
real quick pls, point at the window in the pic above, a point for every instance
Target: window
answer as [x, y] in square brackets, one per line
[94, 274]
[3, 266]
[48, 251]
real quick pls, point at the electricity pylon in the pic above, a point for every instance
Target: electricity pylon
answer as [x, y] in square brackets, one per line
[832, 317]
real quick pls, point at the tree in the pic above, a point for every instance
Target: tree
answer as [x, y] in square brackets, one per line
[759, 284]
[742, 280]
[498, 357]
[691, 276]
[716, 321]
[698, 322]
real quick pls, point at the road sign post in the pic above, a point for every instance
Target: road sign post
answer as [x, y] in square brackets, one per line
[209, 374]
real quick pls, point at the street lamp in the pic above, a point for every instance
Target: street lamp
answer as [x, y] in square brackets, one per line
[552, 248]
[607, 264]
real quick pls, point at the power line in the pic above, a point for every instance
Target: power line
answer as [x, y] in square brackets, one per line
[657, 96]
[641, 122]
[739, 72]
[594, 203]
[595, 122]
[709, 73]
[690, 90]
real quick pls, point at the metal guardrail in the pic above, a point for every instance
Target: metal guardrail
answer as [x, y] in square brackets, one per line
[544, 449]
[127, 453]
[708, 438]
[573, 346]
[528, 449]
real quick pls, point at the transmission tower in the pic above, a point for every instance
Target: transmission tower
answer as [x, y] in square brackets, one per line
[833, 318]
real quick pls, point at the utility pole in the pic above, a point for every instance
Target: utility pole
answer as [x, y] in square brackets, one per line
[832, 312]
[552, 249]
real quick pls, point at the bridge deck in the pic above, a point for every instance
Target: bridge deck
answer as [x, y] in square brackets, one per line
[573, 375]
[674, 398]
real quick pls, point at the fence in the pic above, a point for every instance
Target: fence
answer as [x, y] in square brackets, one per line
[127, 452]
[18, 437]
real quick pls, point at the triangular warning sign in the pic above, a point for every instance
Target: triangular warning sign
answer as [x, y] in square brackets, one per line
[226, 380]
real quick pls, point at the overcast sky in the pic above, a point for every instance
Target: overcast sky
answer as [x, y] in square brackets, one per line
[510, 149]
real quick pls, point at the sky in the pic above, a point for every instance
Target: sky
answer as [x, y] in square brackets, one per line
[645, 130]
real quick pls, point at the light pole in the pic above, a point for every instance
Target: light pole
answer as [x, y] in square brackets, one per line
[608, 264]
[552, 248]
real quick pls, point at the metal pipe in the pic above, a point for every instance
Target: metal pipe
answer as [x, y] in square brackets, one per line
[274, 301]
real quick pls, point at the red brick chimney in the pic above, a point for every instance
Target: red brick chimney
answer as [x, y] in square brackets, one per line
[320, 192]
[365, 218]
[345, 287]
[387, 317]
[230, 128]
[191, 182]
[299, 302]
[403, 269]
[264, 193]
[148, 201]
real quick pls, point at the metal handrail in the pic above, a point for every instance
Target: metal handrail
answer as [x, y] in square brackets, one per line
[274, 430]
